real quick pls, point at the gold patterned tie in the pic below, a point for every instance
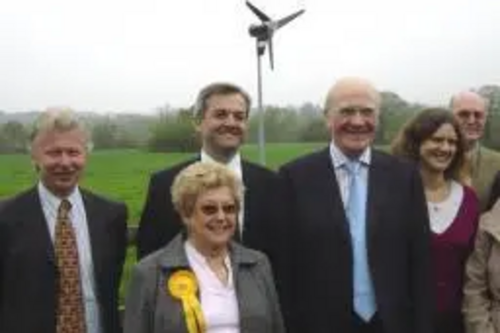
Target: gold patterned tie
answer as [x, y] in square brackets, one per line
[70, 310]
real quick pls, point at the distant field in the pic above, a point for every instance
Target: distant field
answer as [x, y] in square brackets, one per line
[124, 175]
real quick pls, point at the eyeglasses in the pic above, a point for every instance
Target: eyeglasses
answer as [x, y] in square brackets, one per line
[213, 209]
[466, 114]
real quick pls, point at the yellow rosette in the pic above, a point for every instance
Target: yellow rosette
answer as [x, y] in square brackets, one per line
[183, 286]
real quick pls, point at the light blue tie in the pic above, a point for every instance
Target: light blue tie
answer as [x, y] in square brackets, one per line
[364, 298]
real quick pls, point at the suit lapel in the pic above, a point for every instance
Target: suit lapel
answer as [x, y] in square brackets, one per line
[242, 263]
[96, 225]
[377, 180]
[329, 196]
[36, 224]
[248, 182]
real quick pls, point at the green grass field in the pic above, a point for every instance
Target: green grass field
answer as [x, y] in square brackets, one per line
[124, 175]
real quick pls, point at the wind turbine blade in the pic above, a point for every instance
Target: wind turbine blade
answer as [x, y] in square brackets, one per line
[289, 18]
[271, 53]
[263, 17]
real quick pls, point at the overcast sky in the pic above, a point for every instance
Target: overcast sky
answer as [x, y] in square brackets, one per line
[136, 55]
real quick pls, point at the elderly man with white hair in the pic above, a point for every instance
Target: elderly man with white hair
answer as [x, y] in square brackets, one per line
[61, 247]
[355, 245]
[471, 111]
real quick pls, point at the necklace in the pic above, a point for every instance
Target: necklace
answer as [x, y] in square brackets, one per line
[435, 206]
[438, 195]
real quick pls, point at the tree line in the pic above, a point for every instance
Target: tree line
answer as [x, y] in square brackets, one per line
[172, 130]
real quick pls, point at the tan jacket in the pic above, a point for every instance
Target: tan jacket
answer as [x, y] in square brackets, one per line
[482, 277]
[485, 169]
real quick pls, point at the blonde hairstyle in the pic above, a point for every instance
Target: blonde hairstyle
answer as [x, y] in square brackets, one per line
[199, 178]
[60, 119]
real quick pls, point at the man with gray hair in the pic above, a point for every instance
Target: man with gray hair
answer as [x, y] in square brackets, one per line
[61, 247]
[221, 119]
[471, 111]
[356, 242]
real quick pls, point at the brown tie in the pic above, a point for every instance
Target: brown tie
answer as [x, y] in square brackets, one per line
[70, 310]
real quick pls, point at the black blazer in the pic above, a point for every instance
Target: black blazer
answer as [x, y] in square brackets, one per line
[28, 271]
[314, 265]
[160, 223]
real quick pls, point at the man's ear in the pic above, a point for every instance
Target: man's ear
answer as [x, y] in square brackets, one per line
[35, 166]
[33, 160]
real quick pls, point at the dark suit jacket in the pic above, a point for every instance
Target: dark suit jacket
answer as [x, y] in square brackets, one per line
[160, 223]
[28, 271]
[314, 268]
[151, 308]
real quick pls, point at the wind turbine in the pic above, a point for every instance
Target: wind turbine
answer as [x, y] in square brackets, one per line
[263, 34]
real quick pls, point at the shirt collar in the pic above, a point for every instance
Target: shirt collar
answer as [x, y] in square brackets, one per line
[174, 254]
[53, 201]
[339, 159]
[192, 252]
[234, 163]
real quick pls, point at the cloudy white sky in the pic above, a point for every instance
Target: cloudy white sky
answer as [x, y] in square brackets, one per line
[136, 55]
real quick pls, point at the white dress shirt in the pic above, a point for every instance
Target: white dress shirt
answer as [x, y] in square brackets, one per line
[343, 178]
[235, 166]
[442, 214]
[50, 205]
[218, 301]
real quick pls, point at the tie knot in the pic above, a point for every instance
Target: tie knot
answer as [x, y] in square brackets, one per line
[64, 208]
[352, 166]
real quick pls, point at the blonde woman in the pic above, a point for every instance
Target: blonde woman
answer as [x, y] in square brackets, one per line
[202, 281]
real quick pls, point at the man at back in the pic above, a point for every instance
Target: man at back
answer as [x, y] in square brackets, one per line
[61, 247]
[471, 111]
[221, 112]
[355, 248]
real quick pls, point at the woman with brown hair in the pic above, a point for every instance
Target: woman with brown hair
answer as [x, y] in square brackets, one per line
[433, 140]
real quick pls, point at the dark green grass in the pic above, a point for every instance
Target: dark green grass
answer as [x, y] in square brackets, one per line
[124, 175]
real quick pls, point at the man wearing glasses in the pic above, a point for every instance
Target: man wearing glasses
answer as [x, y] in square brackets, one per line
[471, 111]
[355, 248]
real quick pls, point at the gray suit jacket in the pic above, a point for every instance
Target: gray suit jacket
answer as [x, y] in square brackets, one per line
[151, 309]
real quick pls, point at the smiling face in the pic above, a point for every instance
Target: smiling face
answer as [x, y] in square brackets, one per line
[60, 157]
[223, 124]
[213, 220]
[470, 110]
[352, 111]
[438, 151]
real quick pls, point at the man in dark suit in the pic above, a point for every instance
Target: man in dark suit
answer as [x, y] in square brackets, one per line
[61, 247]
[221, 112]
[355, 253]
